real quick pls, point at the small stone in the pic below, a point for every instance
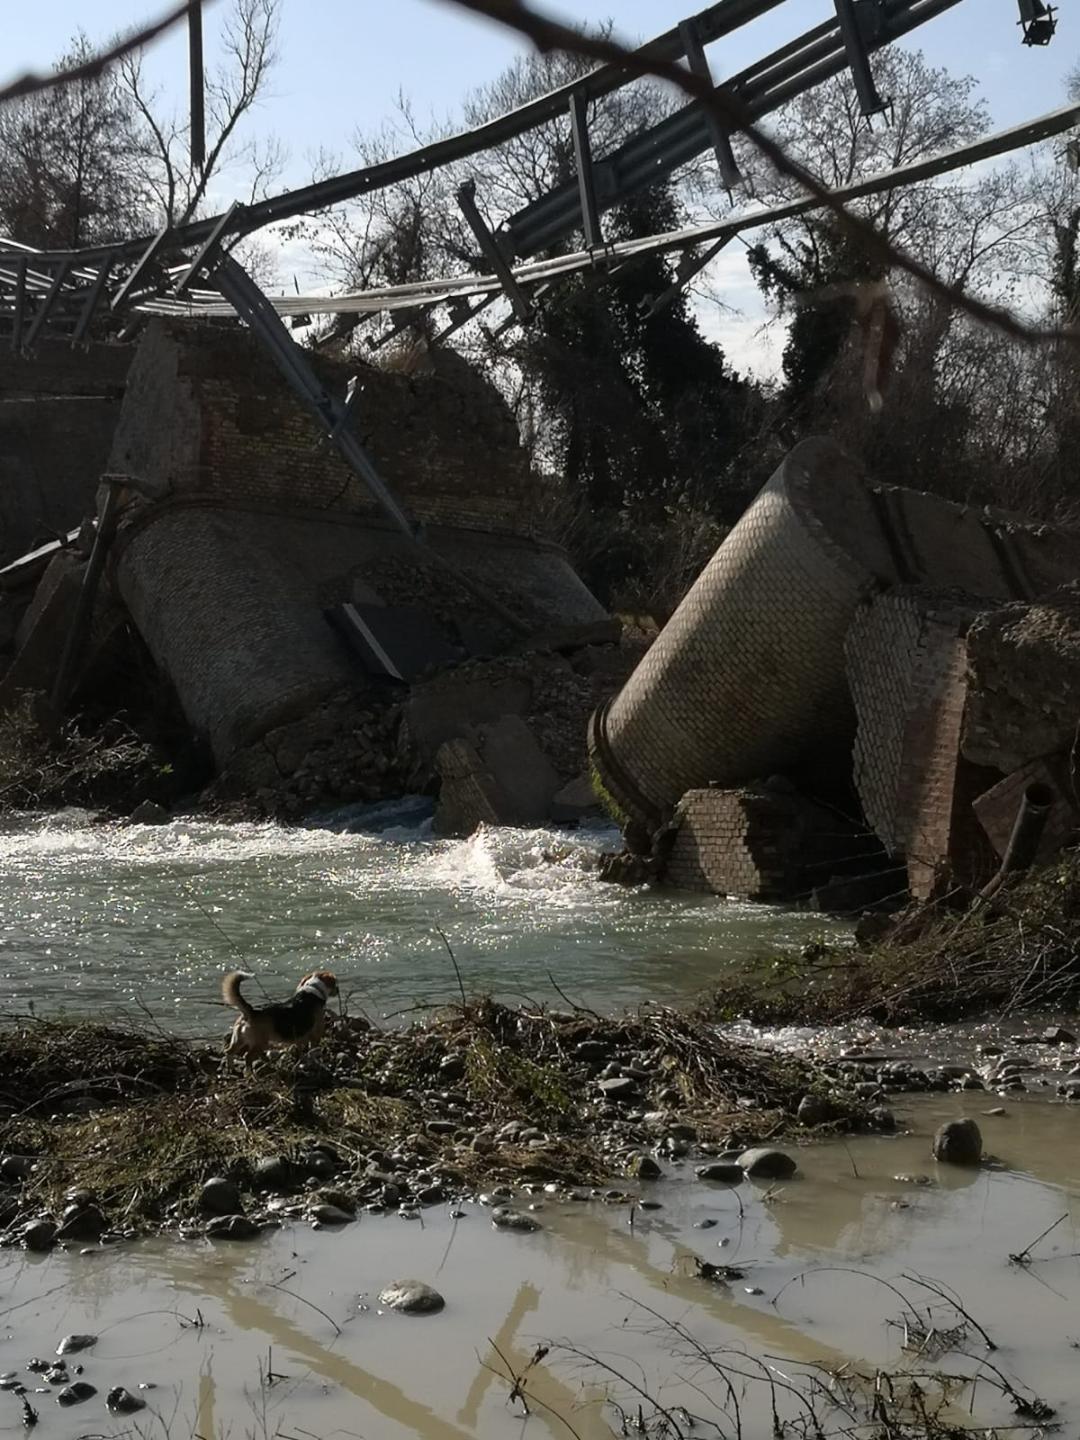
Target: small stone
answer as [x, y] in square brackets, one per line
[331, 1215]
[38, 1366]
[220, 1197]
[814, 1110]
[619, 1087]
[592, 1050]
[276, 1173]
[122, 1402]
[79, 1223]
[644, 1167]
[958, 1142]
[706, 1224]
[10, 1381]
[1057, 1035]
[452, 1068]
[649, 1205]
[71, 1344]
[997, 1110]
[764, 1164]
[14, 1169]
[883, 1119]
[232, 1227]
[411, 1297]
[75, 1394]
[504, 1219]
[38, 1235]
[722, 1171]
[148, 812]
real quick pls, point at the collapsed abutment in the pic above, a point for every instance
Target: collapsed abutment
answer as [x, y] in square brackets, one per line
[825, 648]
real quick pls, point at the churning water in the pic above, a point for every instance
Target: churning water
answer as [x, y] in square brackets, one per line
[105, 918]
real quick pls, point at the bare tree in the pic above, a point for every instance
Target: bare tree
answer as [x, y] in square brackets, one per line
[66, 177]
[161, 141]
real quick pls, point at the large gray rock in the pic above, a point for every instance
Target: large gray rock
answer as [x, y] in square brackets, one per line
[959, 1142]
[765, 1164]
[411, 1297]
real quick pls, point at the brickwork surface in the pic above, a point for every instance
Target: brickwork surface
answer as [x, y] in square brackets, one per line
[748, 676]
[752, 843]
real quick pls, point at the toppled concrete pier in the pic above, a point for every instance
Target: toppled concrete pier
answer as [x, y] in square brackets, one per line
[877, 648]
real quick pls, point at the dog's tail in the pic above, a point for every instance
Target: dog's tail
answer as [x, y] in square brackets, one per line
[230, 990]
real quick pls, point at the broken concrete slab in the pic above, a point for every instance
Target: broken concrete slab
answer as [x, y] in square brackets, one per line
[521, 769]
[575, 802]
[469, 795]
[454, 704]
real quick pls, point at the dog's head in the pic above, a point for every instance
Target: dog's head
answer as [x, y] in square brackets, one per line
[325, 978]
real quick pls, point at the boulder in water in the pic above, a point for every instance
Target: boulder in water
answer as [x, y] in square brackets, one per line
[958, 1142]
[411, 1297]
[764, 1164]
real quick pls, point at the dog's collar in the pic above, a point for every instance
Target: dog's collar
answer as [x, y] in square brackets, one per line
[314, 987]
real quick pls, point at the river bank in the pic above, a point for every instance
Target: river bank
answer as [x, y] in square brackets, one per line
[594, 1323]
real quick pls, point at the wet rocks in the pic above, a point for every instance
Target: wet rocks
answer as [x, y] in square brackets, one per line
[275, 1173]
[72, 1344]
[82, 1222]
[644, 1167]
[232, 1227]
[220, 1196]
[39, 1234]
[326, 1214]
[412, 1297]
[122, 1402]
[958, 1142]
[814, 1110]
[504, 1218]
[75, 1393]
[765, 1164]
[15, 1169]
[724, 1171]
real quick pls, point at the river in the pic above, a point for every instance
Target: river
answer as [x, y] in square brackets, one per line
[101, 919]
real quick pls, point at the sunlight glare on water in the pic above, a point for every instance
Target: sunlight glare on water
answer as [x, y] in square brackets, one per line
[100, 918]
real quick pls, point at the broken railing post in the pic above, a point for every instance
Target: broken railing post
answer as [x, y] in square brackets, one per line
[63, 684]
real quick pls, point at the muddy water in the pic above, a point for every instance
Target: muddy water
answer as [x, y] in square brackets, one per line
[285, 1336]
[104, 918]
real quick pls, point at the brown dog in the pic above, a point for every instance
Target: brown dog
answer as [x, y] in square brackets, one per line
[298, 1022]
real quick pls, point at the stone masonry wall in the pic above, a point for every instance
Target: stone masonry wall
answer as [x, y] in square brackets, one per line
[443, 439]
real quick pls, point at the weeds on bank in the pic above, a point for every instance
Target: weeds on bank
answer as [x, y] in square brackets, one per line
[939, 962]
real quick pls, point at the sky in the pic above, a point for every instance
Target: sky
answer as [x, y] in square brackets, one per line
[343, 64]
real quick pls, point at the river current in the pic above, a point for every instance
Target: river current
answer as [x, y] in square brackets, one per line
[108, 919]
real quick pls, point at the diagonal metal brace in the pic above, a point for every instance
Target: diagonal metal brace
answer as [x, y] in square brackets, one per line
[266, 324]
[466, 198]
[590, 211]
[698, 61]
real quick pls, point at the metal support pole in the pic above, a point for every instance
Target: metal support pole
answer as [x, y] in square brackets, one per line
[259, 315]
[197, 83]
[142, 266]
[63, 684]
[90, 304]
[20, 305]
[699, 66]
[45, 309]
[590, 214]
[466, 199]
[870, 101]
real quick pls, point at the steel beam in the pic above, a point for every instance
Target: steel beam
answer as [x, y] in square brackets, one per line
[586, 177]
[20, 304]
[699, 66]
[489, 245]
[90, 304]
[851, 15]
[44, 310]
[142, 267]
[197, 84]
